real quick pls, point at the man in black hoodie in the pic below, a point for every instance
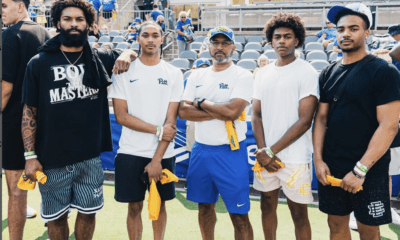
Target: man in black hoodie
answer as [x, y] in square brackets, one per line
[66, 123]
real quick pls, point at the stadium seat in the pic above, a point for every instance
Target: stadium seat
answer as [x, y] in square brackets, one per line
[329, 48]
[190, 55]
[180, 63]
[316, 55]
[92, 39]
[123, 45]
[239, 47]
[301, 55]
[118, 39]
[253, 46]
[247, 64]
[187, 74]
[205, 54]
[319, 64]
[195, 46]
[235, 56]
[135, 46]
[314, 46]
[267, 47]
[250, 54]
[333, 57]
[113, 33]
[200, 39]
[271, 54]
[124, 33]
[310, 39]
[257, 39]
[104, 39]
[240, 39]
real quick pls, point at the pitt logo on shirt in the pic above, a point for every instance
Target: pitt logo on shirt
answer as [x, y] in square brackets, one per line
[223, 86]
[162, 81]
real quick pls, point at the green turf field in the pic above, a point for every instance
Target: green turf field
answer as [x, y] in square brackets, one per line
[182, 221]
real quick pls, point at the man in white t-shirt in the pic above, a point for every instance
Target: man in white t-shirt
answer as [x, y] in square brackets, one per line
[214, 99]
[146, 100]
[284, 102]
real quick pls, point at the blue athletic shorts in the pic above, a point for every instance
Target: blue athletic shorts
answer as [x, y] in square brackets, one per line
[77, 186]
[215, 170]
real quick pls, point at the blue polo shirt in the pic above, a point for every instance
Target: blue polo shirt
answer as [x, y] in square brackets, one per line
[182, 26]
[32, 12]
[155, 13]
[330, 33]
[134, 35]
[96, 4]
[108, 5]
[337, 44]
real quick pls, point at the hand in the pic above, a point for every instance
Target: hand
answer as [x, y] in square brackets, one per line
[195, 103]
[321, 170]
[273, 166]
[31, 167]
[262, 157]
[351, 183]
[154, 170]
[124, 61]
[169, 132]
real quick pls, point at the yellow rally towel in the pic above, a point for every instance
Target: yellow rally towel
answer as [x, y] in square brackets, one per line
[232, 134]
[335, 182]
[154, 199]
[25, 184]
[257, 168]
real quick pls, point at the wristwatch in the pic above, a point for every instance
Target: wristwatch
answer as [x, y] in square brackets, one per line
[200, 101]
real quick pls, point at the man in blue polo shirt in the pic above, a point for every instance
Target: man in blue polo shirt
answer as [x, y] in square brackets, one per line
[107, 7]
[183, 24]
[330, 32]
[155, 13]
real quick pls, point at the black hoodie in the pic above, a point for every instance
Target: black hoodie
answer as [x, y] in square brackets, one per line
[73, 123]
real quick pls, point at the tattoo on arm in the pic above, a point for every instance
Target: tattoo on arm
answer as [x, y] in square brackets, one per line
[29, 126]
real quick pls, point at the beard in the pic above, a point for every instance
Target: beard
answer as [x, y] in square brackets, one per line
[352, 49]
[227, 58]
[73, 40]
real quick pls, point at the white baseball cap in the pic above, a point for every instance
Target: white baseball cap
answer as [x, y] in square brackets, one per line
[358, 8]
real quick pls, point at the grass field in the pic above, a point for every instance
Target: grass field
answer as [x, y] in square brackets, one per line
[182, 221]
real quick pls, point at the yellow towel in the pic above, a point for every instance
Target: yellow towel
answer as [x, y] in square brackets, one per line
[335, 182]
[257, 169]
[154, 200]
[232, 134]
[25, 184]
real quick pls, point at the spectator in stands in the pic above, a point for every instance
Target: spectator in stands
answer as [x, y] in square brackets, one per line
[32, 10]
[160, 21]
[215, 97]
[330, 32]
[394, 31]
[108, 46]
[322, 38]
[183, 24]
[206, 42]
[96, 4]
[337, 49]
[164, 4]
[66, 63]
[94, 31]
[148, 130]
[155, 13]
[262, 61]
[107, 7]
[147, 7]
[41, 13]
[285, 136]
[136, 22]
[368, 94]
[131, 35]
[104, 30]
[395, 54]
[20, 43]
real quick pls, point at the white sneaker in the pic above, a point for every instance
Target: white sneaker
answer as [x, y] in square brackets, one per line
[395, 217]
[30, 212]
[353, 222]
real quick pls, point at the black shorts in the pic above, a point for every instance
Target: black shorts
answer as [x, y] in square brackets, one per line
[13, 147]
[371, 206]
[107, 14]
[129, 187]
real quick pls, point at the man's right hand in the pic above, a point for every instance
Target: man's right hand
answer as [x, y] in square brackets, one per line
[321, 170]
[169, 132]
[31, 167]
[262, 157]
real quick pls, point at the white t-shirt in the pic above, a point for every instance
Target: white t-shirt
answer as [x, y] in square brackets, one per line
[280, 89]
[148, 91]
[219, 87]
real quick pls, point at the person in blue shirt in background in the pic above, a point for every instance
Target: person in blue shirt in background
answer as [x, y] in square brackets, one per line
[155, 13]
[107, 7]
[330, 33]
[160, 21]
[394, 31]
[132, 34]
[136, 22]
[32, 10]
[182, 24]
[336, 48]
[96, 4]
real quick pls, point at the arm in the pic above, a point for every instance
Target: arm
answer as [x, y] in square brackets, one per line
[336, 49]
[229, 111]
[318, 138]
[6, 90]
[395, 53]
[29, 116]
[154, 168]
[189, 112]
[180, 32]
[124, 61]
[168, 4]
[101, 8]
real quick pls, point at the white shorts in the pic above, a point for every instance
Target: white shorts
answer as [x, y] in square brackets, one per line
[295, 180]
[394, 166]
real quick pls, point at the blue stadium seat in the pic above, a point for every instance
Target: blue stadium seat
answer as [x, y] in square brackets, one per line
[104, 39]
[240, 39]
[124, 33]
[314, 46]
[123, 45]
[250, 54]
[310, 39]
[271, 54]
[329, 48]
[267, 47]
[180, 63]
[113, 33]
[319, 64]
[205, 54]
[190, 55]
[195, 46]
[135, 46]
[257, 39]
[333, 57]
[301, 55]
[187, 74]
[118, 39]
[316, 55]
[239, 47]
[253, 46]
[200, 39]
[92, 39]
[247, 64]
[235, 56]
